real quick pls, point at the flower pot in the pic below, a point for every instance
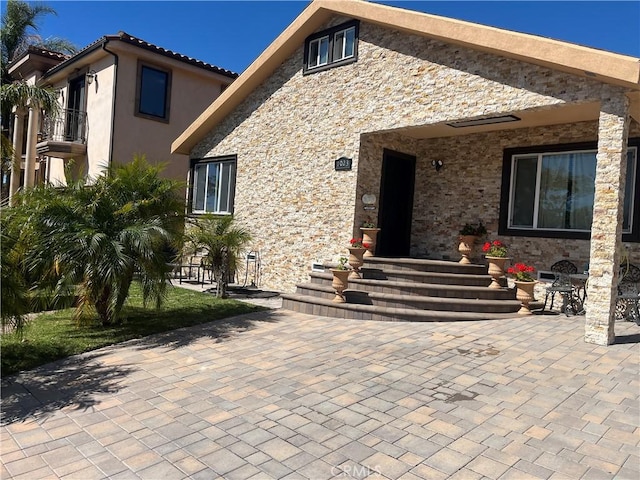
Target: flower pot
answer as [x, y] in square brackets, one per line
[496, 270]
[356, 260]
[339, 283]
[524, 294]
[466, 247]
[370, 236]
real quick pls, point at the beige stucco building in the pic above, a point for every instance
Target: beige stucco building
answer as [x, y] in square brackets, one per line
[119, 96]
[437, 122]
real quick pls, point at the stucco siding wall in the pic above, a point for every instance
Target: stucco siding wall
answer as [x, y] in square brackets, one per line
[190, 94]
[289, 131]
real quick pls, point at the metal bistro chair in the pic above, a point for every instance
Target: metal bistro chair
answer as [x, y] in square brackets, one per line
[628, 294]
[561, 284]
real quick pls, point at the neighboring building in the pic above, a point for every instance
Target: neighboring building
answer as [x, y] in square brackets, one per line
[120, 96]
[445, 122]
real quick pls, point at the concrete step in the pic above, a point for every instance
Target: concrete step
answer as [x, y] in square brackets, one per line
[408, 289]
[423, 265]
[327, 308]
[480, 280]
[506, 304]
[416, 288]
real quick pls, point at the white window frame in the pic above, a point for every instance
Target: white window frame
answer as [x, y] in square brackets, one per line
[343, 54]
[230, 191]
[318, 41]
[630, 183]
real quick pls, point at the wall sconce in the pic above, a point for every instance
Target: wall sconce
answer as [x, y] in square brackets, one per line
[91, 76]
[437, 163]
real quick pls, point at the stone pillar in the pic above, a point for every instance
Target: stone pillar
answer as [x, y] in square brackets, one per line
[606, 229]
[18, 134]
[32, 139]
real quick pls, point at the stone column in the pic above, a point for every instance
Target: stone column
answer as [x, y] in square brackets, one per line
[32, 139]
[18, 134]
[606, 229]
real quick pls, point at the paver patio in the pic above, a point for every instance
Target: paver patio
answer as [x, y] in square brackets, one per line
[282, 395]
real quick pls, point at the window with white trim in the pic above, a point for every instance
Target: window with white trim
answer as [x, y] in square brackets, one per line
[213, 186]
[552, 192]
[333, 47]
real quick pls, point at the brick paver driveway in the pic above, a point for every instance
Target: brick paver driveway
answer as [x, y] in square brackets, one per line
[282, 395]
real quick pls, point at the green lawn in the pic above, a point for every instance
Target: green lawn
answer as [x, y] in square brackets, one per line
[52, 336]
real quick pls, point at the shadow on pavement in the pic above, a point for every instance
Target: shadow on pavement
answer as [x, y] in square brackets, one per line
[74, 381]
[218, 331]
[78, 380]
[623, 339]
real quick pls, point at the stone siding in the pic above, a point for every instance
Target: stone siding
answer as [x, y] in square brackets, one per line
[288, 132]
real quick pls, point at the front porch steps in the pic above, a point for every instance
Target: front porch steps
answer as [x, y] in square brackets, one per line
[404, 289]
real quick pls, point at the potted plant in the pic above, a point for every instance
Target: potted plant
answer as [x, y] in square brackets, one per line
[340, 279]
[369, 236]
[356, 256]
[468, 237]
[496, 254]
[525, 282]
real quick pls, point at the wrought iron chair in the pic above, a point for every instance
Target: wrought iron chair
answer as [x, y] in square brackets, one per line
[561, 285]
[628, 299]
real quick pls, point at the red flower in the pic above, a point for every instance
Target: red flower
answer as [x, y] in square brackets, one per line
[486, 247]
[522, 272]
[356, 243]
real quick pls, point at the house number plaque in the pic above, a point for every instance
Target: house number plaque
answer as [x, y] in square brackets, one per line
[343, 163]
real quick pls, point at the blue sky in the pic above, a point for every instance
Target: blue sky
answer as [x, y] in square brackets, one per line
[231, 34]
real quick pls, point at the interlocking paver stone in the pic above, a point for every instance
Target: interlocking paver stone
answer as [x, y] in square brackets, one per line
[300, 396]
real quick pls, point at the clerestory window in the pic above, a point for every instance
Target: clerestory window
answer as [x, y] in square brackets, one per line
[331, 48]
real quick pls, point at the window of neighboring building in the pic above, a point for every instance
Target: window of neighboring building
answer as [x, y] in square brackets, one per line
[330, 48]
[213, 183]
[153, 93]
[549, 191]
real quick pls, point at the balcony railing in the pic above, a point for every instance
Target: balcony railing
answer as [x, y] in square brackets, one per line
[69, 126]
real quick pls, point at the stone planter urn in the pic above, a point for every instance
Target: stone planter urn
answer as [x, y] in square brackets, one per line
[524, 294]
[370, 236]
[496, 270]
[466, 248]
[356, 260]
[339, 283]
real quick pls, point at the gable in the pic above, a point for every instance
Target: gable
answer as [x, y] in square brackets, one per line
[607, 67]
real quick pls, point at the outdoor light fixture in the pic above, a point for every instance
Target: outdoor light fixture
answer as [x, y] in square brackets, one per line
[437, 163]
[369, 199]
[484, 121]
[91, 76]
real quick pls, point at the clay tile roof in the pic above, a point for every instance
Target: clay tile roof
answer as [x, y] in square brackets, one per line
[130, 39]
[47, 53]
[125, 37]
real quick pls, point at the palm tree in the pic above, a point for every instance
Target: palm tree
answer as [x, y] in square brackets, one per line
[19, 31]
[13, 298]
[223, 241]
[19, 94]
[96, 238]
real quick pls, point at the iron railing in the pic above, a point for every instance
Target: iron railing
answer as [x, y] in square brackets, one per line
[69, 126]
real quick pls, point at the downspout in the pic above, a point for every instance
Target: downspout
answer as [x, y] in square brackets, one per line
[113, 96]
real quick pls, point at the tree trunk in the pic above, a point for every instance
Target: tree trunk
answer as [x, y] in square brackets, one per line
[102, 307]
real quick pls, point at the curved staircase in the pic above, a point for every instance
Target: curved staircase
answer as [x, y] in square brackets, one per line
[406, 289]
